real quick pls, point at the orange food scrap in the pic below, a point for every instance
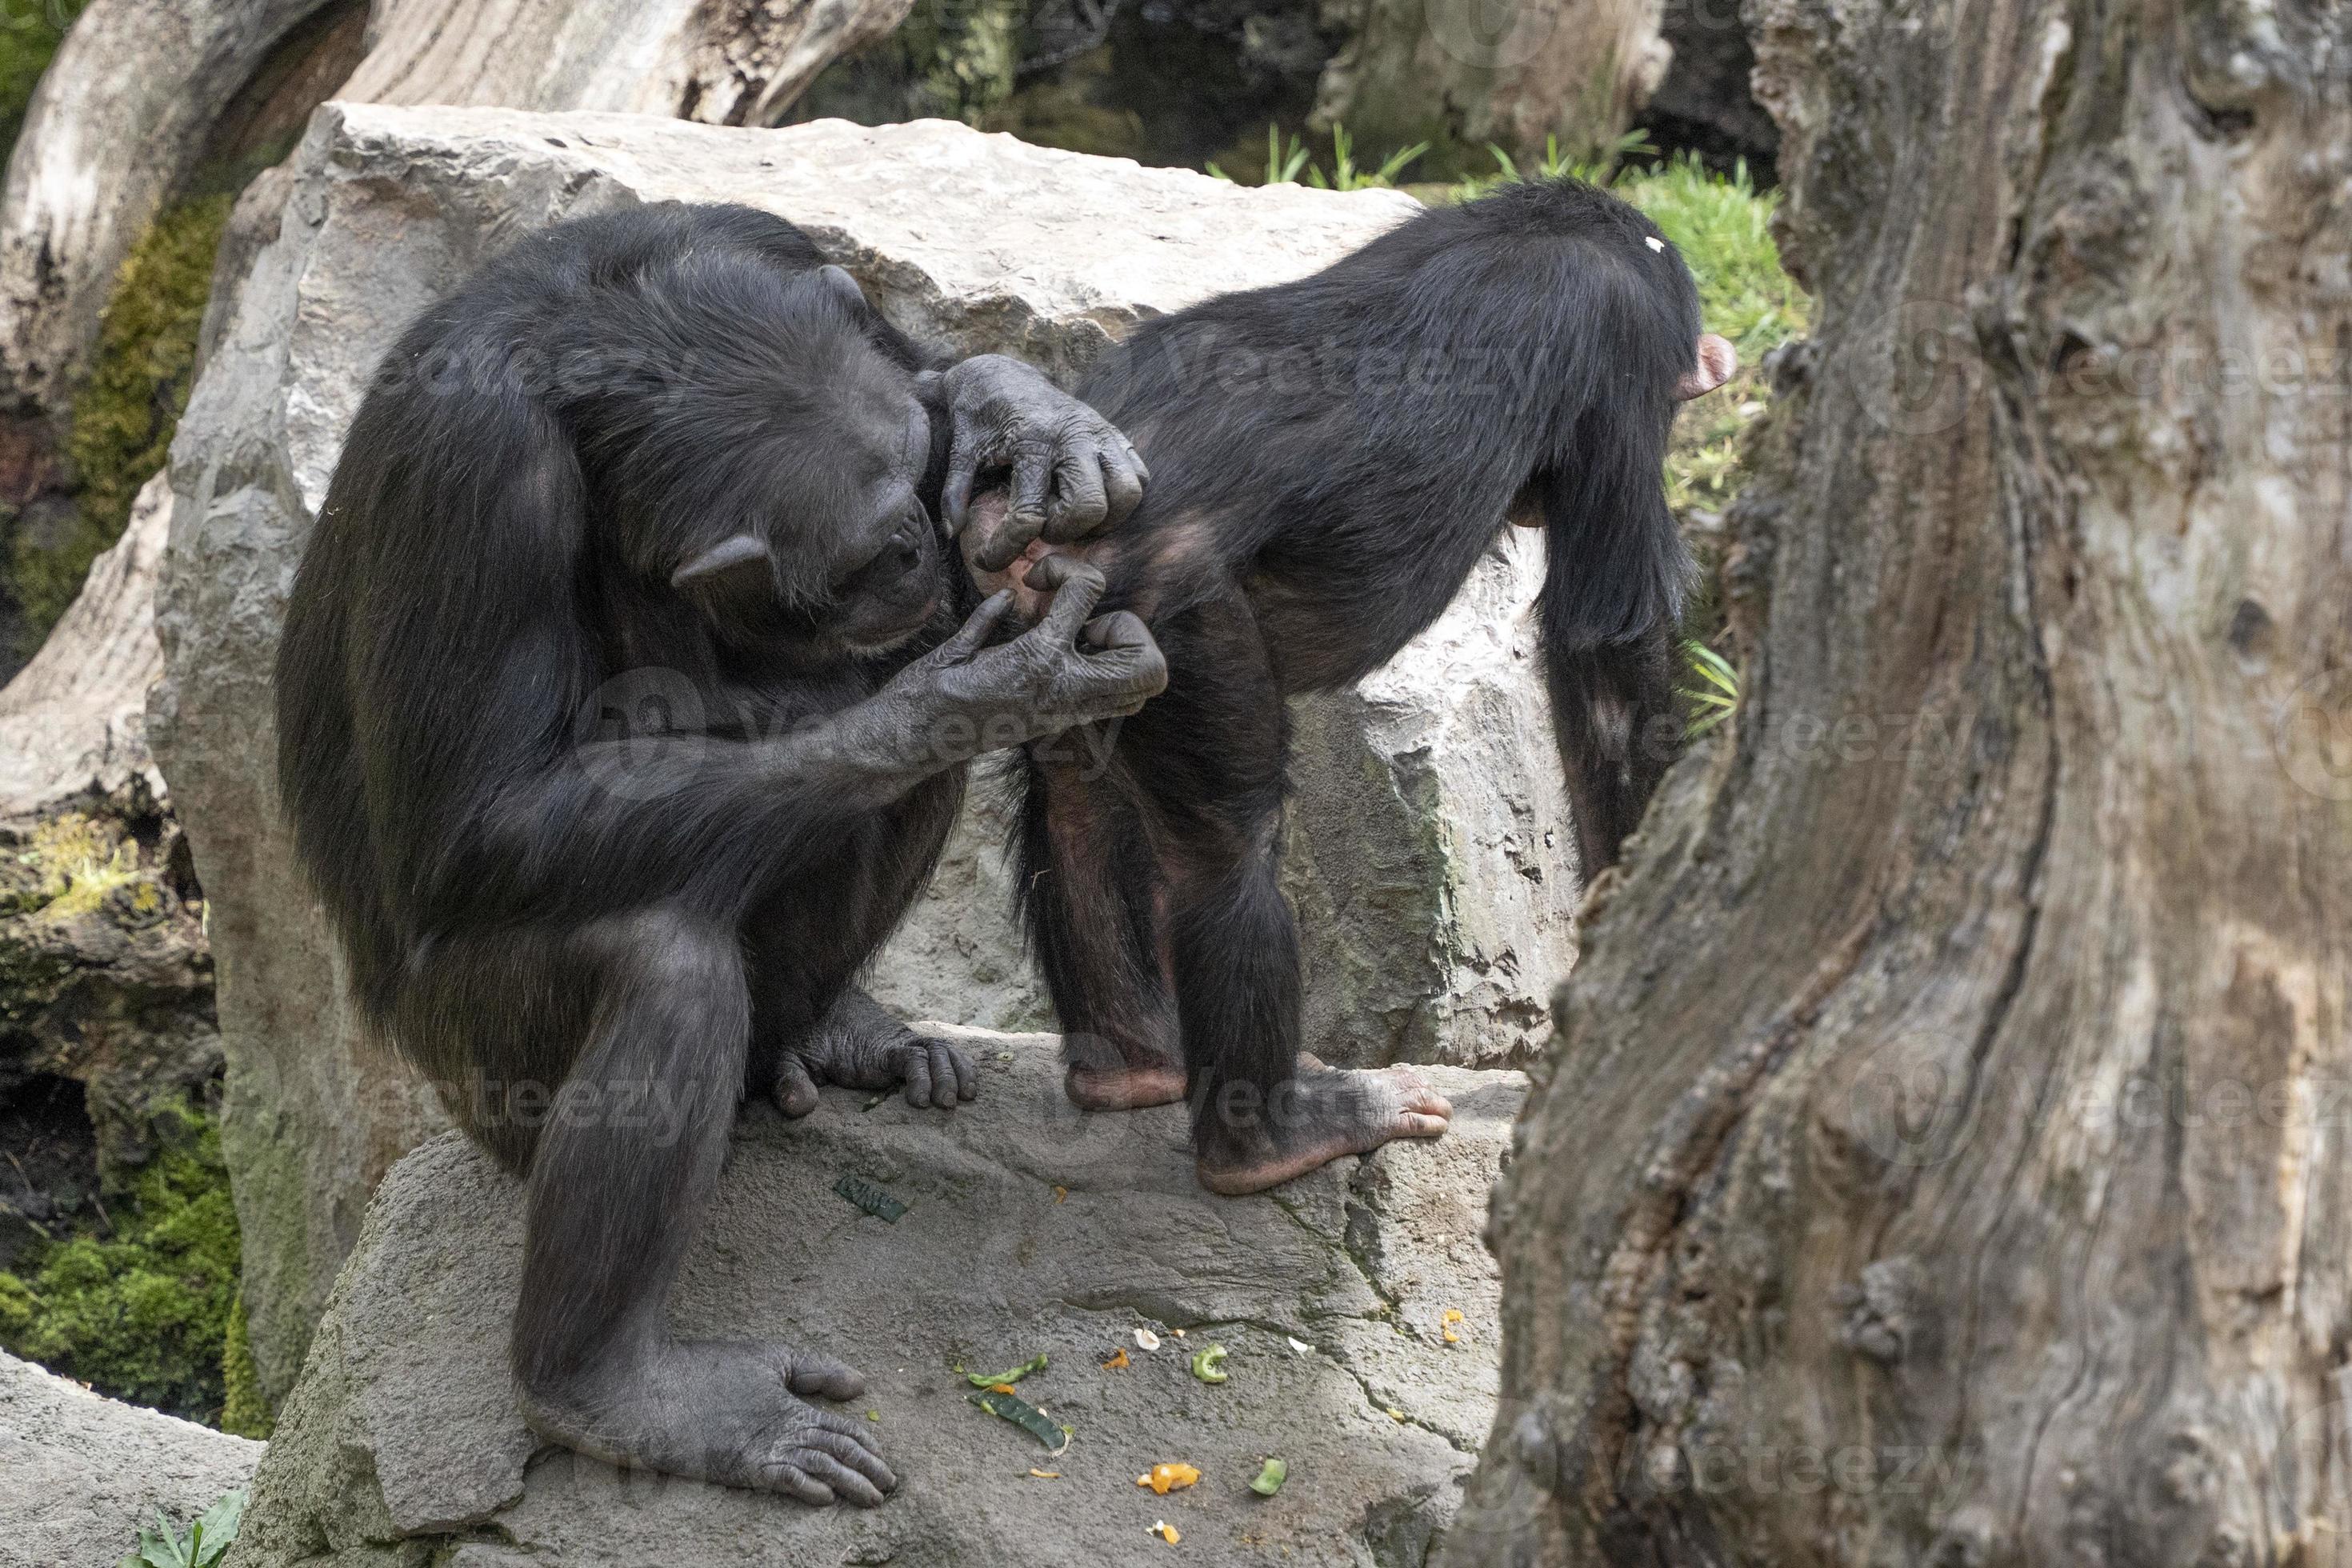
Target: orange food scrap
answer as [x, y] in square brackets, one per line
[1118, 1363]
[1048, 1475]
[1002, 1388]
[1452, 1316]
[1166, 1531]
[1166, 1478]
[1060, 1194]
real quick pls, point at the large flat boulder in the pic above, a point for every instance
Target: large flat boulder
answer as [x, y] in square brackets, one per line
[1029, 1227]
[80, 1474]
[1430, 850]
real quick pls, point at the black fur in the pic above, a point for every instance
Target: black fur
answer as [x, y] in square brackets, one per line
[613, 710]
[1331, 458]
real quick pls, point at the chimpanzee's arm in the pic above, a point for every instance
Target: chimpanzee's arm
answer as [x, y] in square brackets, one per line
[698, 818]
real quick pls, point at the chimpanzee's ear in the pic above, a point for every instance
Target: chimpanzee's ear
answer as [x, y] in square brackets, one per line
[737, 570]
[844, 288]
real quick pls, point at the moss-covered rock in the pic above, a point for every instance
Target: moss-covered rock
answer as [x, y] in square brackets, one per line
[124, 415]
[105, 974]
[141, 1309]
[244, 1409]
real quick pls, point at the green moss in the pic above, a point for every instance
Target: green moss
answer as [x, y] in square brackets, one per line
[29, 33]
[124, 415]
[142, 1313]
[245, 1410]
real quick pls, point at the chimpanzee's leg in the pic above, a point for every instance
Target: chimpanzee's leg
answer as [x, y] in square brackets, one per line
[810, 1024]
[1211, 751]
[1095, 907]
[1620, 727]
[626, 1166]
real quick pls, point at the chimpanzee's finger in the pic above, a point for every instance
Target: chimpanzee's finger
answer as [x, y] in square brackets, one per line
[795, 1090]
[1078, 503]
[1119, 630]
[1121, 642]
[828, 1377]
[965, 454]
[973, 635]
[846, 1482]
[946, 1089]
[1075, 585]
[796, 1483]
[1033, 477]
[967, 1079]
[1124, 477]
[918, 1074]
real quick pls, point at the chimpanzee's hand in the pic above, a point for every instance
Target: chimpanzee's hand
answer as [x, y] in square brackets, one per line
[1072, 473]
[1064, 671]
[858, 1046]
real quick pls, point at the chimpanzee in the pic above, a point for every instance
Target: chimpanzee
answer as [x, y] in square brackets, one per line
[1333, 455]
[620, 721]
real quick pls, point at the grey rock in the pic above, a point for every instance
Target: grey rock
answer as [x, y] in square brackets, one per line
[1428, 862]
[83, 1473]
[1029, 1227]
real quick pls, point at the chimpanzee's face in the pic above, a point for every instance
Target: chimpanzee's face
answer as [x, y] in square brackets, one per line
[887, 579]
[787, 505]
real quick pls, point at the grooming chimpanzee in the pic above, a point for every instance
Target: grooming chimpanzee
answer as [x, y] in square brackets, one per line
[1334, 456]
[619, 723]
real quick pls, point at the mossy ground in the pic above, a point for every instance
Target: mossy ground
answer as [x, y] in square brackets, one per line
[142, 1308]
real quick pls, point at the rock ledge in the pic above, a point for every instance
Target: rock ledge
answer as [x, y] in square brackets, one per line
[1030, 1227]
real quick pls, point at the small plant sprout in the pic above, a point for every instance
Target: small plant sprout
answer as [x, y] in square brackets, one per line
[1714, 701]
[203, 1546]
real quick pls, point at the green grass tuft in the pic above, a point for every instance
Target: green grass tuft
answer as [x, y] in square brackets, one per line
[1722, 227]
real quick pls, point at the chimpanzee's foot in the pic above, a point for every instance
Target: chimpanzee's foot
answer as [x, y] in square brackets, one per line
[1134, 1085]
[1314, 1120]
[858, 1045]
[723, 1411]
[1124, 1087]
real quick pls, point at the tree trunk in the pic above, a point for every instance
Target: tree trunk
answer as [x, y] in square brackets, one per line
[1944, 1161]
[128, 106]
[1460, 74]
[727, 62]
[119, 118]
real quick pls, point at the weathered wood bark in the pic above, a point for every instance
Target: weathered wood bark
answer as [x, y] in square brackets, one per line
[127, 110]
[120, 118]
[724, 62]
[1462, 73]
[1946, 1160]
[75, 716]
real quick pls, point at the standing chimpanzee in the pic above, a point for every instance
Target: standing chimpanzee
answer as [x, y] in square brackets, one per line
[1334, 456]
[619, 723]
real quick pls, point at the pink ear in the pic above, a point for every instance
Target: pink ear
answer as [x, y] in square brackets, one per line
[1717, 361]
